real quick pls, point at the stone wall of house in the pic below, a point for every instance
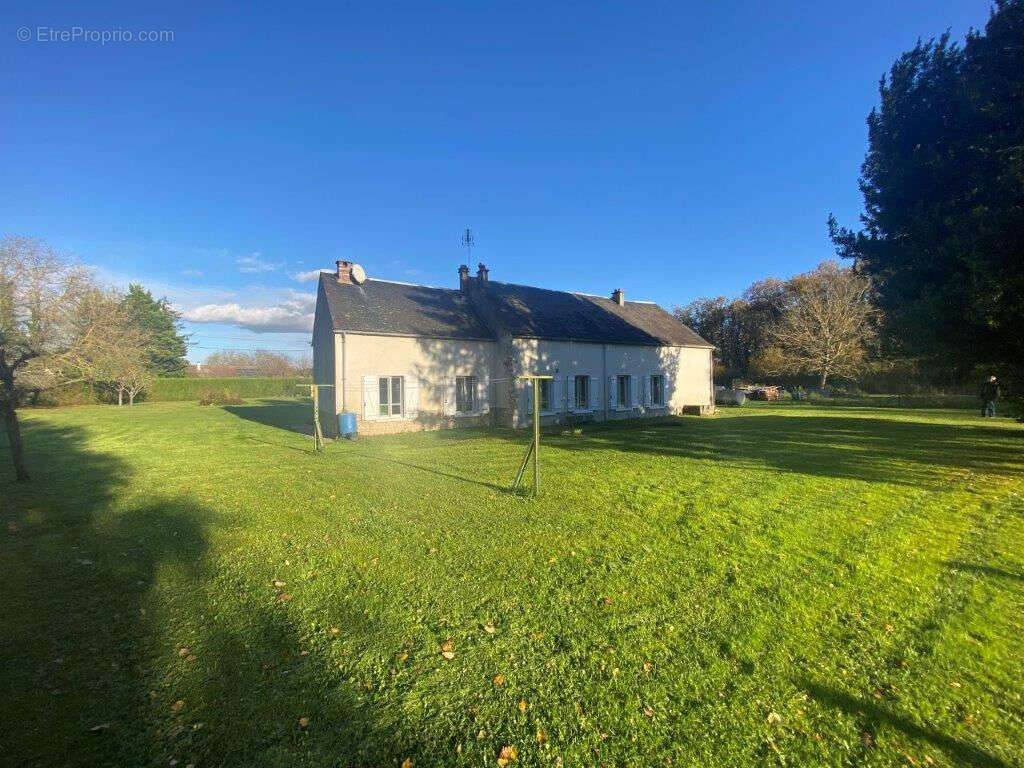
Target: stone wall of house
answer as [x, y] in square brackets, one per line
[429, 368]
[686, 371]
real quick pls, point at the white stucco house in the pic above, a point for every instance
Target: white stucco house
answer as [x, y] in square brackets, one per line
[404, 357]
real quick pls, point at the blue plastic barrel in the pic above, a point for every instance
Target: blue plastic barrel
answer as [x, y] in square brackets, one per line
[347, 425]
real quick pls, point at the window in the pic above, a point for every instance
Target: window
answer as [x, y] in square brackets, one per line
[392, 391]
[658, 391]
[625, 392]
[582, 398]
[465, 394]
[545, 394]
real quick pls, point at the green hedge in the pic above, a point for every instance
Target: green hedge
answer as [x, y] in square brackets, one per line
[243, 386]
[182, 389]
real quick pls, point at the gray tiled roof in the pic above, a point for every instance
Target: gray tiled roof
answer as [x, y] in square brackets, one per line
[378, 306]
[540, 313]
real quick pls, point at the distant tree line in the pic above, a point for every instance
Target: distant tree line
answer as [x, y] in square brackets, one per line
[818, 324]
[255, 363]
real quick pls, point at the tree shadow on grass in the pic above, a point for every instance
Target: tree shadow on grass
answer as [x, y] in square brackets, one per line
[291, 415]
[983, 570]
[863, 448]
[874, 715]
[115, 609]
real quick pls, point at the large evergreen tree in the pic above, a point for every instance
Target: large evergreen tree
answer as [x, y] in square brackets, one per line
[943, 185]
[155, 317]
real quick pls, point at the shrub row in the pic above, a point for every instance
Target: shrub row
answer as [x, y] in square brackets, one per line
[184, 389]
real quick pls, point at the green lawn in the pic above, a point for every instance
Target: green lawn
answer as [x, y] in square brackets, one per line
[789, 585]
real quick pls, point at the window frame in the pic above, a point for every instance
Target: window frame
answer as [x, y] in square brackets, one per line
[548, 384]
[386, 410]
[660, 378]
[576, 405]
[471, 391]
[624, 404]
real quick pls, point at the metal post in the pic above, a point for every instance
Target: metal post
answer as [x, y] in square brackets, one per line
[536, 436]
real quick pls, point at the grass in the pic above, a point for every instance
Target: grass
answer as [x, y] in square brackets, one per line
[777, 585]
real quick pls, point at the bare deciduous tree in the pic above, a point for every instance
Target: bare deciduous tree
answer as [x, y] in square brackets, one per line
[49, 332]
[825, 328]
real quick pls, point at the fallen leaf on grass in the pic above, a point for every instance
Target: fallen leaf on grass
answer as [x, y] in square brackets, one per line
[408, 763]
[100, 727]
[278, 583]
[284, 597]
[334, 631]
[878, 694]
[191, 657]
[954, 684]
[499, 680]
[176, 706]
[523, 705]
[303, 722]
[774, 718]
[648, 712]
[183, 651]
[542, 736]
[507, 755]
[648, 667]
[490, 629]
[448, 649]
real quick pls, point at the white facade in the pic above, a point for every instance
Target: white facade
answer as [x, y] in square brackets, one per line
[657, 381]
[429, 372]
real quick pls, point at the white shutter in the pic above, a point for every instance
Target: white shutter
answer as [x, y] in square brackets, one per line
[570, 393]
[595, 399]
[483, 394]
[371, 398]
[647, 391]
[632, 391]
[555, 401]
[448, 406]
[412, 396]
[613, 392]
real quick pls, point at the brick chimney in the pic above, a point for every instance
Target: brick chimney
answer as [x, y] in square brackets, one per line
[344, 272]
[618, 297]
[463, 276]
[481, 273]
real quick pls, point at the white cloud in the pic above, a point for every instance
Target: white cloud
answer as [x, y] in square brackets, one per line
[192, 272]
[255, 262]
[257, 308]
[294, 312]
[309, 276]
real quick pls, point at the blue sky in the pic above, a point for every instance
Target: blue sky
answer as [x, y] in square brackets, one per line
[672, 149]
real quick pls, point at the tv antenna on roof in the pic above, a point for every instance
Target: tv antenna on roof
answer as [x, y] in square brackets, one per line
[468, 241]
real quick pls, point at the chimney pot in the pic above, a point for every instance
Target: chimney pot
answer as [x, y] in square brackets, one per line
[618, 297]
[344, 272]
[463, 276]
[481, 272]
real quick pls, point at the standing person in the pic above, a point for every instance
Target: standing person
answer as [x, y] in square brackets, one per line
[989, 395]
